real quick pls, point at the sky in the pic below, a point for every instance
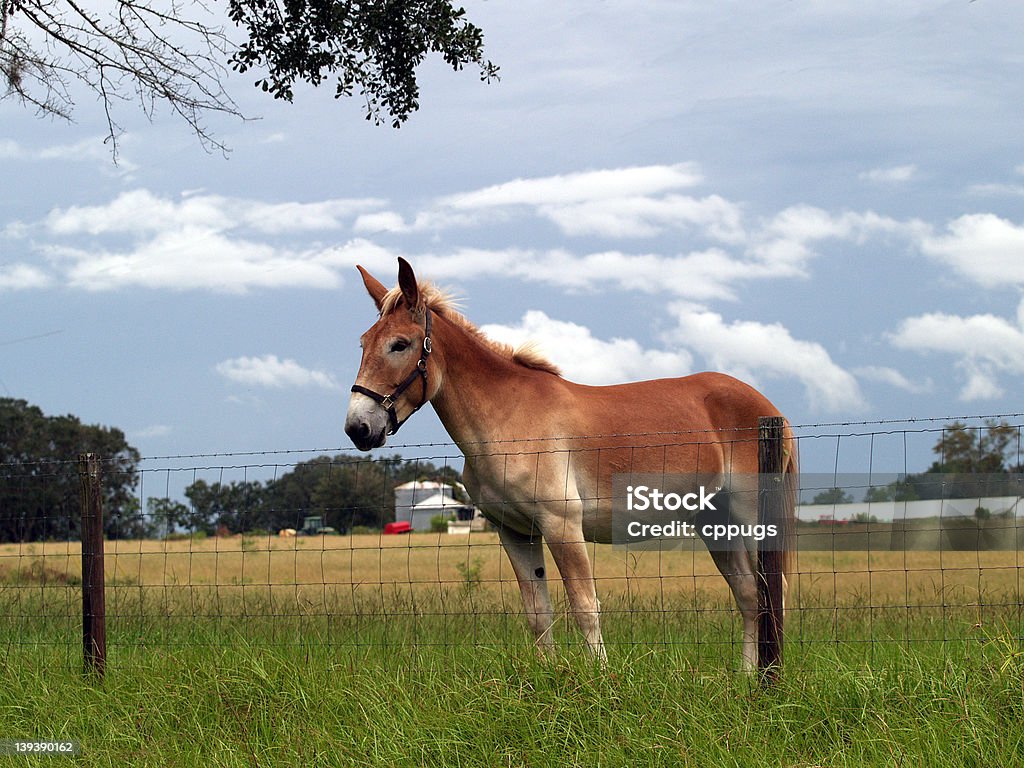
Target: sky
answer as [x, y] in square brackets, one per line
[822, 198]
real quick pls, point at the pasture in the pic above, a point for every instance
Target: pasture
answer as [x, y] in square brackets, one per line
[411, 650]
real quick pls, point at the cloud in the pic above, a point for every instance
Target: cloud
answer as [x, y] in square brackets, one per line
[745, 349]
[892, 377]
[93, 149]
[382, 221]
[619, 202]
[18, 277]
[271, 371]
[587, 359]
[580, 187]
[749, 350]
[780, 247]
[200, 242]
[701, 275]
[140, 212]
[983, 247]
[897, 174]
[984, 346]
[647, 216]
[194, 259]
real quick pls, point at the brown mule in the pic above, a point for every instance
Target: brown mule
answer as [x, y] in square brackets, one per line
[541, 451]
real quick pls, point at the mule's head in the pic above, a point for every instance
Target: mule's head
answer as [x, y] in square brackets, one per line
[392, 382]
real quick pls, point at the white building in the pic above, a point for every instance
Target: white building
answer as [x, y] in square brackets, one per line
[421, 500]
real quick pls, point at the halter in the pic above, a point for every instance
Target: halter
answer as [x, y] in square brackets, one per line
[388, 402]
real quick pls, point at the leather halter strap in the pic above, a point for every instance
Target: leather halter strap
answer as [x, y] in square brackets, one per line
[390, 402]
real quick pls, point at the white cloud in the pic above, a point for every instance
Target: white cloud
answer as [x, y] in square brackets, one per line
[750, 349]
[93, 149]
[892, 377]
[787, 238]
[897, 174]
[271, 371]
[984, 346]
[780, 247]
[17, 277]
[587, 359]
[382, 221]
[11, 150]
[646, 216]
[140, 212]
[200, 242]
[702, 275]
[580, 187]
[194, 259]
[983, 247]
[745, 349]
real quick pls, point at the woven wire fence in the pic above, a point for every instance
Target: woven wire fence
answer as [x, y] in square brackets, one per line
[306, 550]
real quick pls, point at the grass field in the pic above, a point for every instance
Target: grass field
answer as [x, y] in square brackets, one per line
[409, 650]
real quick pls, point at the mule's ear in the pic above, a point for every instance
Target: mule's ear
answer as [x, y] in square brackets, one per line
[374, 287]
[407, 282]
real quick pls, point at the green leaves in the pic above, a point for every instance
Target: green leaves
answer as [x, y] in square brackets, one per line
[372, 48]
[39, 496]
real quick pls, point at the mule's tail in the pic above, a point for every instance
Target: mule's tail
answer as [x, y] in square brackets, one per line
[791, 490]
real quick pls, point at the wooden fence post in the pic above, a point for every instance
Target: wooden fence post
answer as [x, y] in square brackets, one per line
[770, 506]
[94, 612]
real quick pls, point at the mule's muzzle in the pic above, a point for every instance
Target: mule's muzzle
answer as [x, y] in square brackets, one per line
[364, 436]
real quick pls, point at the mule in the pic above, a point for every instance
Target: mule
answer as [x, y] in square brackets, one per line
[541, 452]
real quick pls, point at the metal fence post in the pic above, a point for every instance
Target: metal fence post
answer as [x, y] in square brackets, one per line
[770, 557]
[94, 614]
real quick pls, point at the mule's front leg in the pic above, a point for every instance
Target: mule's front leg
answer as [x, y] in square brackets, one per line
[526, 553]
[570, 554]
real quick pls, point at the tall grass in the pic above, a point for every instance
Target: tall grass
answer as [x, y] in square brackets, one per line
[409, 654]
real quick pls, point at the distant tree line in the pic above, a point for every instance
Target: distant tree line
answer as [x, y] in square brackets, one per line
[39, 486]
[973, 462]
[346, 491]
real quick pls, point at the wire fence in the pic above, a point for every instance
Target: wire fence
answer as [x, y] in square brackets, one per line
[907, 540]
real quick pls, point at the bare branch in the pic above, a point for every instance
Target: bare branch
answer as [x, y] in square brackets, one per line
[162, 57]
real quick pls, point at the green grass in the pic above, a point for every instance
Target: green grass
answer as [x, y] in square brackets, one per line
[401, 679]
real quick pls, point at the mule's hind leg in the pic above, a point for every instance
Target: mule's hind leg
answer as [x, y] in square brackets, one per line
[736, 566]
[526, 553]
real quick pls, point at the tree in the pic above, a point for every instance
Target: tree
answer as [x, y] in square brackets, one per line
[345, 490]
[236, 506]
[178, 55]
[977, 450]
[898, 490]
[39, 487]
[374, 47]
[166, 515]
[972, 462]
[832, 496]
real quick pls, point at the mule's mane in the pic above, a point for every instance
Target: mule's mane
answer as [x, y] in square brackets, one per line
[444, 304]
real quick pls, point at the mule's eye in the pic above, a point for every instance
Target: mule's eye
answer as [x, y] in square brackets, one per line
[400, 345]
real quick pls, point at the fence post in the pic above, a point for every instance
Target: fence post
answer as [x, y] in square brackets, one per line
[94, 613]
[770, 557]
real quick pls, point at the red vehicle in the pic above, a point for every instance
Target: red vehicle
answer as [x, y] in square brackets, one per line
[403, 526]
